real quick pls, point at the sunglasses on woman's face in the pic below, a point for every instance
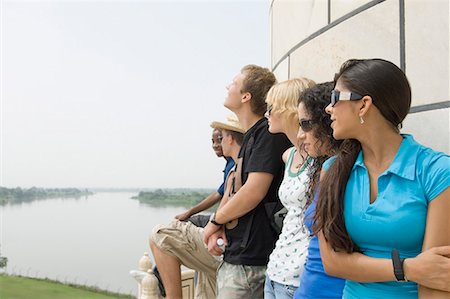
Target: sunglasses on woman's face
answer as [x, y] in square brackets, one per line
[337, 96]
[306, 124]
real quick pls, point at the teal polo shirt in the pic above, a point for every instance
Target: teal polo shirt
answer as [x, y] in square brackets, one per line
[397, 218]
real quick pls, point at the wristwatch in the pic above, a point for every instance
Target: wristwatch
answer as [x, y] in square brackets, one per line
[397, 262]
[213, 220]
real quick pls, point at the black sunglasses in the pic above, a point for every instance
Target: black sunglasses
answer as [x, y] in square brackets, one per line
[337, 96]
[306, 124]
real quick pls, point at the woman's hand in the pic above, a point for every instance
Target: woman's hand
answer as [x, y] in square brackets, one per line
[431, 268]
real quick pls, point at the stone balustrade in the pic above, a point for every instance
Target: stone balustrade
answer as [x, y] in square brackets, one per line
[148, 283]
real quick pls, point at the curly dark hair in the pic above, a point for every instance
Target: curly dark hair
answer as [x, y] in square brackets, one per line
[315, 99]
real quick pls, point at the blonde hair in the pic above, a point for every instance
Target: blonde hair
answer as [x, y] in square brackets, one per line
[283, 98]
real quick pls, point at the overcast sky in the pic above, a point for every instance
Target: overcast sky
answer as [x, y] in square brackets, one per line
[120, 93]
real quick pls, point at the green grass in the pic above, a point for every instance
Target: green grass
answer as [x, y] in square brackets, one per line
[15, 287]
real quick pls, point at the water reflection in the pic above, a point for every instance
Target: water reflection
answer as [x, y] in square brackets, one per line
[92, 240]
[18, 195]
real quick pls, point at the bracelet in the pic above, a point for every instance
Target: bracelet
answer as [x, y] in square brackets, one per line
[213, 220]
[397, 263]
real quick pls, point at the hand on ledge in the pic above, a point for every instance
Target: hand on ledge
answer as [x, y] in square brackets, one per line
[183, 216]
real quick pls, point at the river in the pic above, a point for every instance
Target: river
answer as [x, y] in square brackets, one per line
[94, 240]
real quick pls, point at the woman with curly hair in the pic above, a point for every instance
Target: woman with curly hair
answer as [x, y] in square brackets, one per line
[315, 134]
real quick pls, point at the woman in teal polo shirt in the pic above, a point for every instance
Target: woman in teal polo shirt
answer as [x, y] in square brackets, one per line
[384, 195]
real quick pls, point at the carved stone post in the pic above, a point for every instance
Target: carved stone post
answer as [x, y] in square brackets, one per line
[149, 287]
[145, 263]
[147, 282]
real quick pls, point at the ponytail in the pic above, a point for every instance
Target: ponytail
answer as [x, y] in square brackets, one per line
[329, 216]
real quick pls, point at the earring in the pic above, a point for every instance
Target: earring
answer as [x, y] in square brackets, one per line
[361, 120]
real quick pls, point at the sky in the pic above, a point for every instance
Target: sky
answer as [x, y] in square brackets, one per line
[120, 94]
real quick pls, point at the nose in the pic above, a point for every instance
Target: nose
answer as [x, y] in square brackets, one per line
[267, 115]
[300, 135]
[328, 108]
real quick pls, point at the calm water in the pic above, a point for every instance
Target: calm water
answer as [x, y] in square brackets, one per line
[95, 240]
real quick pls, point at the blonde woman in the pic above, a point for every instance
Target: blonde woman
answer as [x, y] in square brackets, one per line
[287, 259]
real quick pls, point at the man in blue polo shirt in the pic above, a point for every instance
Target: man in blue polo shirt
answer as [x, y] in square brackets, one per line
[215, 197]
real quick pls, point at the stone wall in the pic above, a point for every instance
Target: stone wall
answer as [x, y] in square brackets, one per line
[312, 38]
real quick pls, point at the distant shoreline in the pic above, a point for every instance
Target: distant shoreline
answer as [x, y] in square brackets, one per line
[181, 196]
[151, 196]
[19, 195]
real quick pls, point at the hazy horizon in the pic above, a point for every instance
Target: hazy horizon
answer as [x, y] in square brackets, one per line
[120, 94]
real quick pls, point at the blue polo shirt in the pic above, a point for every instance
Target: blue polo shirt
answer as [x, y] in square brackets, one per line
[228, 166]
[397, 218]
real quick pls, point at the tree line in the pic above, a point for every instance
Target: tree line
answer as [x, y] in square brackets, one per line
[173, 196]
[16, 195]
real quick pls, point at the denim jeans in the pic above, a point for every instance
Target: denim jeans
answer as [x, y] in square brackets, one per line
[275, 290]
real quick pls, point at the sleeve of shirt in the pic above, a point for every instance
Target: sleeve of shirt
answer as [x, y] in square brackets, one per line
[221, 189]
[436, 175]
[267, 153]
[327, 164]
[226, 170]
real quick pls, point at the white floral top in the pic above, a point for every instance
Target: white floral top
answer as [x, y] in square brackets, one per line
[287, 260]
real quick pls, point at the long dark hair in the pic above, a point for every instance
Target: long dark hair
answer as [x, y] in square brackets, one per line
[314, 100]
[391, 94]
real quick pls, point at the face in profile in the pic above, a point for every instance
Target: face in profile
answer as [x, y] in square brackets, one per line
[344, 115]
[274, 121]
[226, 148]
[234, 95]
[306, 132]
[216, 140]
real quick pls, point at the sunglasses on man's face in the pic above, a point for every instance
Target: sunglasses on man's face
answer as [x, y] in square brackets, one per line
[337, 96]
[306, 124]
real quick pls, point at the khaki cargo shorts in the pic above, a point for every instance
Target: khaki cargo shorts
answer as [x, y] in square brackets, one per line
[184, 241]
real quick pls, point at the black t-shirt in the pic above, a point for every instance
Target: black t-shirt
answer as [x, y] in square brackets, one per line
[261, 152]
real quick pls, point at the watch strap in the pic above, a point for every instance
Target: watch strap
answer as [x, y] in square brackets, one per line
[397, 262]
[213, 220]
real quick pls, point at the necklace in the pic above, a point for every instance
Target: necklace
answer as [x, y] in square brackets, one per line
[297, 166]
[300, 164]
[304, 164]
